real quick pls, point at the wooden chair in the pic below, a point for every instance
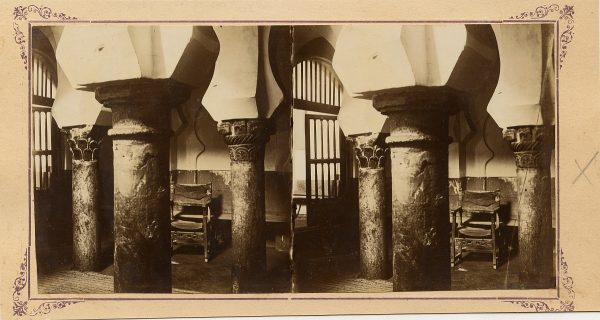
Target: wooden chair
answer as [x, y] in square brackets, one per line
[481, 232]
[191, 219]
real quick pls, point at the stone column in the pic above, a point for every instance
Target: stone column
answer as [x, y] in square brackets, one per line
[246, 139]
[86, 205]
[140, 133]
[419, 158]
[371, 204]
[532, 146]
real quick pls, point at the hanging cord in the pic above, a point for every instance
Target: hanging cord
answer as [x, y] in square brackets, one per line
[485, 122]
[196, 117]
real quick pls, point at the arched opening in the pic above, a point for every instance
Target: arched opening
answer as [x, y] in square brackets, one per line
[317, 96]
[320, 152]
[48, 157]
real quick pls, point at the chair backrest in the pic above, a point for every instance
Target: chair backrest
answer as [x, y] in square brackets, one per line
[192, 194]
[480, 201]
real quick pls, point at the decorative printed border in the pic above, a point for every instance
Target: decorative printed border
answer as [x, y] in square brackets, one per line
[22, 307]
[21, 303]
[21, 13]
[566, 304]
[566, 36]
[565, 13]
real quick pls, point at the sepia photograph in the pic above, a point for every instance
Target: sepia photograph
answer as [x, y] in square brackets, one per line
[161, 158]
[195, 160]
[165, 159]
[423, 157]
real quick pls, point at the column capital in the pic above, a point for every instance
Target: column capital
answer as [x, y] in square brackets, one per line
[418, 98]
[369, 149]
[245, 138]
[531, 144]
[418, 114]
[141, 91]
[84, 142]
[136, 102]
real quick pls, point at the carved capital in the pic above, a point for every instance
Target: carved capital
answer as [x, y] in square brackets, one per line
[419, 115]
[246, 138]
[531, 144]
[369, 150]
[83, 143]
[142, 91]
[140, 106]
[441, 99]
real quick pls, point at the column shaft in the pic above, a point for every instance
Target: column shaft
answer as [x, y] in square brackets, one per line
[246, 139]
[532, 146]
[419, 166]
[371, 206]
[140, 111]
[86, 206]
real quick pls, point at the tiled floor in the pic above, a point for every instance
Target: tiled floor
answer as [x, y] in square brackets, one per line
[190, 274]
[340, 274]
[474, 273]
[325, 273]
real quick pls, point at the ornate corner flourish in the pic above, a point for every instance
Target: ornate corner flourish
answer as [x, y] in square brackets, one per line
[21, 306]
[565, 13]
[21, 13]
[565, 303]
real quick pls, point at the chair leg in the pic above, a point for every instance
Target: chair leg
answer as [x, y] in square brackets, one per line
[494, 253]
[494, 245]
[172, 244]
[206, 234]
[205, 248]
[453, 252]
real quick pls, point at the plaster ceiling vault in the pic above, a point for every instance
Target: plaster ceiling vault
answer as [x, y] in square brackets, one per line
[315, 41]
[246, 82]
[525, 94]
[371, 58]
[357, 116]
[118, 52]
[237, 71]
[73, 107]
[472, 67]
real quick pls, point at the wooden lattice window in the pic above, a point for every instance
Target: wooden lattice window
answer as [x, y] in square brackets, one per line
[43, 128]
[316, 87]
[324, 161]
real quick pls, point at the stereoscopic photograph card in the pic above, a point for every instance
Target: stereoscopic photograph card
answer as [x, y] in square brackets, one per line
[264, 158]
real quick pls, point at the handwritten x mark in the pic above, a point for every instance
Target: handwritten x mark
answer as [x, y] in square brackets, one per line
[582, 171]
